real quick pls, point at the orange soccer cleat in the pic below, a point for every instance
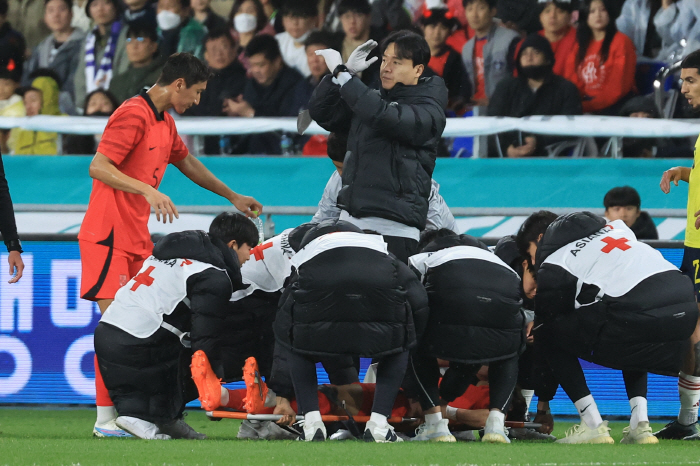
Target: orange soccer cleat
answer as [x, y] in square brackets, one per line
[208, 384]
[256, 389]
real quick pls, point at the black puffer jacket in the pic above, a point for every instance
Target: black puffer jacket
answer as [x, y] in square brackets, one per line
[392, 144]
[350, 301]
[474, 303]
[208, 291]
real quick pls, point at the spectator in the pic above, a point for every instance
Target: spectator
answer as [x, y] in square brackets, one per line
[203, 13]
[355, 18]
[227, 81]
[486, 54]
[386, 15]
[104, 50]
[141, 12]
[27, 17]
[603, 62]
[318, 40]
[248, 19]
[519, 15]
[677, 23]
[437, 25]
[463, 33]
[298, 17]
[12, 45]
[39, 99]
[80, 18]
[555, 17]
[10, 106]
[99, 103]
[274, 90]
[623, 203]
[179, 32]
[145, 63]
[536, 91]
[637, 21]
[60, 51]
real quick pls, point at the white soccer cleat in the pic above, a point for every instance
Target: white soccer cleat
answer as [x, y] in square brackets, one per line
[581, 433]
[313, 432]
[109, 429]
[140, 428]
[495, 431]
[179, 429]
[437, 432]
[374, 433]
[642, 435]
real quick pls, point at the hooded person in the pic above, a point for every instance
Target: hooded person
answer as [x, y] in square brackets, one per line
[535, 91]
[348, 296]
[28, 142]
[175, 306]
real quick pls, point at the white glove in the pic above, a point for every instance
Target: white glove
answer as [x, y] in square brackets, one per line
[357, 62]
[332, 57]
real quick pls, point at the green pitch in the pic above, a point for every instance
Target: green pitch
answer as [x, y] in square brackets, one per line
[63, 437]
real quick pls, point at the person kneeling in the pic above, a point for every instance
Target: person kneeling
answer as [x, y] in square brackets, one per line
[175, 305]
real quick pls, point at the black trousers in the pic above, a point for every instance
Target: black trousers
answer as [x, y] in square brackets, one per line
[401, 247]
[390, 372]
[503, 376]
[147, 378]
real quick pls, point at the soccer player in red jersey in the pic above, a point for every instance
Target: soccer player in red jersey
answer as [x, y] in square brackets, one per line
[137, 145]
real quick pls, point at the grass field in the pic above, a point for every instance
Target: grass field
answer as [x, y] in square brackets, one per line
[63, 437]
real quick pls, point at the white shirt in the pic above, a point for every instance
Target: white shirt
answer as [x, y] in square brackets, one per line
[294, 53]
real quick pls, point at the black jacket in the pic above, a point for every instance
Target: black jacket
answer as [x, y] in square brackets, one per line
[8, 227]
[644, 227]
[208, 291]
[392, 145]
[459, 88]
[514, 98]
[351, 301]
[475, 314]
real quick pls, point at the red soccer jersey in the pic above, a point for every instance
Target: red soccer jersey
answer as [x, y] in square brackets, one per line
[480, 84]
[141, 142]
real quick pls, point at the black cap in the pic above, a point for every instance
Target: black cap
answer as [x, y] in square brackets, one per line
[537, 42]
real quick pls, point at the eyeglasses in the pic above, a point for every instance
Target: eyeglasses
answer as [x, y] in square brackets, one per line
[139, 39]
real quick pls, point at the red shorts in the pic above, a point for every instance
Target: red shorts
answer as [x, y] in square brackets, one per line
[105, 270]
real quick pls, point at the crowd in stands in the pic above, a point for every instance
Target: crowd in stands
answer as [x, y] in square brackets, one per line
[501, 57]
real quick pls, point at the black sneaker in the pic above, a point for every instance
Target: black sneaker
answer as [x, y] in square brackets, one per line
[674, 430]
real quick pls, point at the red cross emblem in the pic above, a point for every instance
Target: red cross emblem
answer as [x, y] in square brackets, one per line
[185, 262]
[257, 251]
[620, 244]
[143, 278]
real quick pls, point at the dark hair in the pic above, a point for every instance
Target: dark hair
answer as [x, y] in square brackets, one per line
[259, 13]
[228, 226]
[622, 196]
[428, 236]
[23, 91]
[7, 74]
[692, 60]
[117, 8]
[438, 16]
[4, 6]
[491, 3]
[533, 226]
[46, 72]
[109, 95]
[356, 6]
[215, 34]
[337, 146]
[186, 66]
[299, 8]
[142, 29]
[565, 5]
[265, 44]
[69, 4]
[326, 38]
[584, 34]
[185, 4]
[408, 46]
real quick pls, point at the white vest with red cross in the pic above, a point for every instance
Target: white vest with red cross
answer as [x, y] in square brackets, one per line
[611, 259]
[160, 285]
[268, 266]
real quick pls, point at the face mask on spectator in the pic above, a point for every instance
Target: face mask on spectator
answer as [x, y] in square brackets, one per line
[244, 22]
[168, 20]
[536, 72]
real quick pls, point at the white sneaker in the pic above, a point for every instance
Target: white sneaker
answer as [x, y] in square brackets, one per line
[313, 432]
[109, 429]
[437, 432]
[641, 435]
[140, 428]
[495, 431]
[179, 429]
[374, 433]
[581, 433]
